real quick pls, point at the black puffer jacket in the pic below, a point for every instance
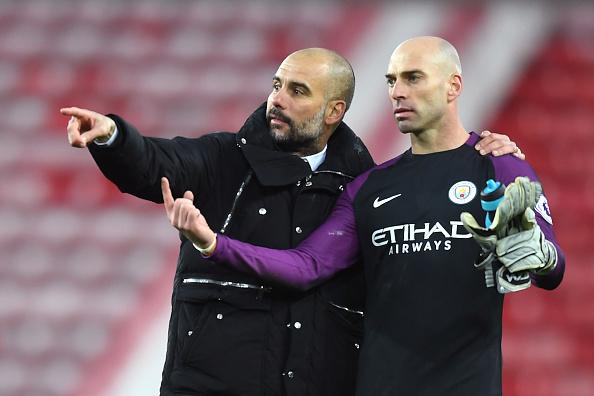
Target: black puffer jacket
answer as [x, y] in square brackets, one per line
[231, 333]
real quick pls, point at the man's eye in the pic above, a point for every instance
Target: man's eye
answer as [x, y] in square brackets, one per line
[298, 91]
[275, 87]
[413, 78]
[390, 82]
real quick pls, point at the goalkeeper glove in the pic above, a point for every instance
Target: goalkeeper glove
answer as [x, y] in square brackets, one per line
[506, 282]
[486, 238]
[519, 195]
[527, 249]
[522, 193]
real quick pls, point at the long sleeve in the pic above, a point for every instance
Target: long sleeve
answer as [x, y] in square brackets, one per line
[544, 220]
[135, 163]
[507, 168]
[332, 247]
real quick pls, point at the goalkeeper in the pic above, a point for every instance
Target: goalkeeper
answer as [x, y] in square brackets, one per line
[432, 326]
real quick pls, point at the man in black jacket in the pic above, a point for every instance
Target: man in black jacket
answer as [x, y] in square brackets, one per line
[270, 184]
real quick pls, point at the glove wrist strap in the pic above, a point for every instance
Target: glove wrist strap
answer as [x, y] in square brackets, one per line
[552, 261]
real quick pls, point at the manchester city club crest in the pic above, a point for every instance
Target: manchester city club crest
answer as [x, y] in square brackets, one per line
[462, 192]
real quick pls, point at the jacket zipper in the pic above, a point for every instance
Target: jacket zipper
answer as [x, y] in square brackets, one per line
[335, 173]
[227, 284]
[346, 309]
[237, 195]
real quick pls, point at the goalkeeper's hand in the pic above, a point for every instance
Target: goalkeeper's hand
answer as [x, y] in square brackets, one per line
[519, 195]
[486, 238]
[505, 281]
[508, 282]
[527, 249]
[522, 193]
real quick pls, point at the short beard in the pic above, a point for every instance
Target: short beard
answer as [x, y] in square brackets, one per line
[301, 138]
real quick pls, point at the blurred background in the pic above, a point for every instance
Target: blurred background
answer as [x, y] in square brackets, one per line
[86, 272]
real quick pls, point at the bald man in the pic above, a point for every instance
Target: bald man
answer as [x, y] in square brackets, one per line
[432, 326]
[270, 184]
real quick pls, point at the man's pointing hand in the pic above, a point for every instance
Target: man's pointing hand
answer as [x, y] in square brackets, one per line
[186, 218]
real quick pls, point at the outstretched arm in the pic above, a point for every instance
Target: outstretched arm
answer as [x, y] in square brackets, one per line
[332, 247]
[135, 163]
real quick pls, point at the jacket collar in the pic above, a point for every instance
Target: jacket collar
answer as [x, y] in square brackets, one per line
[274, 167]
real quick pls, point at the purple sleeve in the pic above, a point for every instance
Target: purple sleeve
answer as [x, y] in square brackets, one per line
[329, 249]
[507, 168]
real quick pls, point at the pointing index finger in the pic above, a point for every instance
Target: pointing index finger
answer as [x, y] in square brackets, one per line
[167, 196]
[77, 112]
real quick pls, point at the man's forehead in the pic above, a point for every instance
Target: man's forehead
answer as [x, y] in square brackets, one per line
[413, 57]
[306, 71]
[420, 54]
[403, 61]
[307, 65]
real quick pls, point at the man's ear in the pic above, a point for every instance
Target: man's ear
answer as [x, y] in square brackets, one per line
[455, 87]
[335, 111]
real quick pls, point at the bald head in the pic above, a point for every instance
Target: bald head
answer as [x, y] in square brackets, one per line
[339, 75]
[425, 80]
[432, 49]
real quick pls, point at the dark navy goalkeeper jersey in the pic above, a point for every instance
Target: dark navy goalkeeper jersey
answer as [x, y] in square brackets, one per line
[432, 327]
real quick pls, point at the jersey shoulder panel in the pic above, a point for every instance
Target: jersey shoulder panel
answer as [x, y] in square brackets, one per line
[507, 168]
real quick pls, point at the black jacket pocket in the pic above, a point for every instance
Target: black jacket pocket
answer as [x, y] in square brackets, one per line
[222, 337]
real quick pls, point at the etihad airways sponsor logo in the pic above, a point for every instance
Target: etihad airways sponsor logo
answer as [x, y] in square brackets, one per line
[411, 238]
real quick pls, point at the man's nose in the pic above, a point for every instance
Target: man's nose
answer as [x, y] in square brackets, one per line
[279, 99]
[398, 91]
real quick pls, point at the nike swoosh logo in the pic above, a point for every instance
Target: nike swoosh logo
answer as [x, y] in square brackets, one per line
[379, 202]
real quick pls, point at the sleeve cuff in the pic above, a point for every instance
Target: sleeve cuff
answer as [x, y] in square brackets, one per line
[209, 250]
[110, 141]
